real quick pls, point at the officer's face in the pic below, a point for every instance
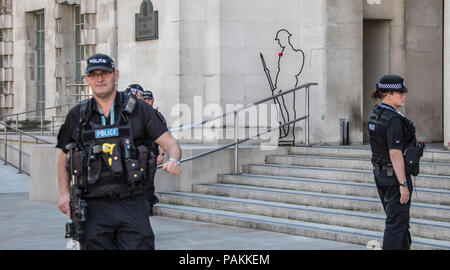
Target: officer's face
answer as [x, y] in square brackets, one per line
[102, 82]
[149, 101]
[397, 99]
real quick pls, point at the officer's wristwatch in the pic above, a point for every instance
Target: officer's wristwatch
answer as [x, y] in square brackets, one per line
[176, 161]
[404, 184]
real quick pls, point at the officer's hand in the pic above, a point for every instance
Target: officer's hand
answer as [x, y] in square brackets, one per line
[64, 204]
[404, 195]
[171, 168]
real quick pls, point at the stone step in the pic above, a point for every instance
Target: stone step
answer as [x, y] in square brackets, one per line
[433, 155]
[333, 201]
[296, 227]
[335, 217]
[424, 195]
[433, 168]
[428, 183]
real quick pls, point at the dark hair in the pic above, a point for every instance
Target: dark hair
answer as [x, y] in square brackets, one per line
[378, 95]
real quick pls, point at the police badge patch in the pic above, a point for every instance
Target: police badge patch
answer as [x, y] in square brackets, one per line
[106, 133]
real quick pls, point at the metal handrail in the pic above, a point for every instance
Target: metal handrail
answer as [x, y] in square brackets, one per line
[239, 141]
[235, 112]
[21, 134]
[41, 117]
[244, 108]
[43, 109]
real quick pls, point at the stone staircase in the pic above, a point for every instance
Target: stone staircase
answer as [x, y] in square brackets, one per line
[322, 192]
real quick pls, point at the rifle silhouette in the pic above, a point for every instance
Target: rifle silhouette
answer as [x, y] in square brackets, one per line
[276, 100]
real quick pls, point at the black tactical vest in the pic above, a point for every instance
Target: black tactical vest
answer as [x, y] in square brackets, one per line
[378, 124]
[113, 164]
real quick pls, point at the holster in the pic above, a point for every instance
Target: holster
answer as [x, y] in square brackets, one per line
[94, 169]
[78, 163]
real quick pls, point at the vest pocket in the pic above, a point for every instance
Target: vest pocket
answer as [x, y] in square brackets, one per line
[94, 170]
[135, 171]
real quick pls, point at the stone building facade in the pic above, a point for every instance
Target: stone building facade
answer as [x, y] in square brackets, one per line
[210, 50]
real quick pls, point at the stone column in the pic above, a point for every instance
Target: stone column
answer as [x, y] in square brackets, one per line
[446, 75]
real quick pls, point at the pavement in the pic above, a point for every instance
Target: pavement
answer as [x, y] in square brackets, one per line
[31, 225]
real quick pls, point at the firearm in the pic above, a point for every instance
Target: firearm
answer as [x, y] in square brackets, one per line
[78, 206]
[276, 100]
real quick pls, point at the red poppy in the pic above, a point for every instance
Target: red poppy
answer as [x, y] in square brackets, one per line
[280, 54]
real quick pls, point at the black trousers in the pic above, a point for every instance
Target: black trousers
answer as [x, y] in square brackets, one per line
[396, 233]
[118, 224]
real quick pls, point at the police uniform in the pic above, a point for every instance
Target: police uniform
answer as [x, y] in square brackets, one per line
[117, 211]
[389, 129]
[135, 89]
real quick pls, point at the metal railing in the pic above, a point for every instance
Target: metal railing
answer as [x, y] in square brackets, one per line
[237, 141]
[21, 152]
[82, 92]
[41, 117]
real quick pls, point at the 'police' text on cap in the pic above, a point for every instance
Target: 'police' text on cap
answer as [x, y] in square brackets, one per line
[100, 62]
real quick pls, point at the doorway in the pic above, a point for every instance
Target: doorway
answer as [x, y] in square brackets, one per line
[375, 63]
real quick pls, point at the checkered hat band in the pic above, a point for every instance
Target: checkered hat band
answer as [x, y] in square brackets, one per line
[390, 85]
[136, 90]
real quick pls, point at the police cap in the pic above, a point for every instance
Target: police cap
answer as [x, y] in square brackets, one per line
[135, 88]
[100, 61]
[391, 83]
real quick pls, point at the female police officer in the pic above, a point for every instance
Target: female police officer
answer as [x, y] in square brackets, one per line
[390, 134]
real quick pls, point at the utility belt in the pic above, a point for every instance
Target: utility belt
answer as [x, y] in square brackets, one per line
[411, 156]
[388, 168]
[115, 196]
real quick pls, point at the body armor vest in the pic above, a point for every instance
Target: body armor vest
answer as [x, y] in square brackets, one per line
[110, 162]
[378, 124]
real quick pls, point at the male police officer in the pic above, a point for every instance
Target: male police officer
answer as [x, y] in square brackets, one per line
[390, 135]
[107, 138]
[157, 150]
[148, 97]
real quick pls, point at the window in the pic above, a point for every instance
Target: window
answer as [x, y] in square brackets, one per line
[40, 63]
[79, 48]
[1, 82]
[1, 62]
[79, 53]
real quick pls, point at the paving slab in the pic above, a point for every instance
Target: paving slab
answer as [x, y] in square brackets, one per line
[31, 225]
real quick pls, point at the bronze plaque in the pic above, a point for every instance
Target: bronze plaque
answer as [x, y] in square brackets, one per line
[146, 22]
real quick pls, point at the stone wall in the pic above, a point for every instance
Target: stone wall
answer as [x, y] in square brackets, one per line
[208, 51]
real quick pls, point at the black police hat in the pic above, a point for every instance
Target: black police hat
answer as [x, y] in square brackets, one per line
[391, 83]
[148, 94]
[100, 61]
[135, 88]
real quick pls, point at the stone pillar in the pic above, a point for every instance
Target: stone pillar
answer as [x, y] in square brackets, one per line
[446, 75]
